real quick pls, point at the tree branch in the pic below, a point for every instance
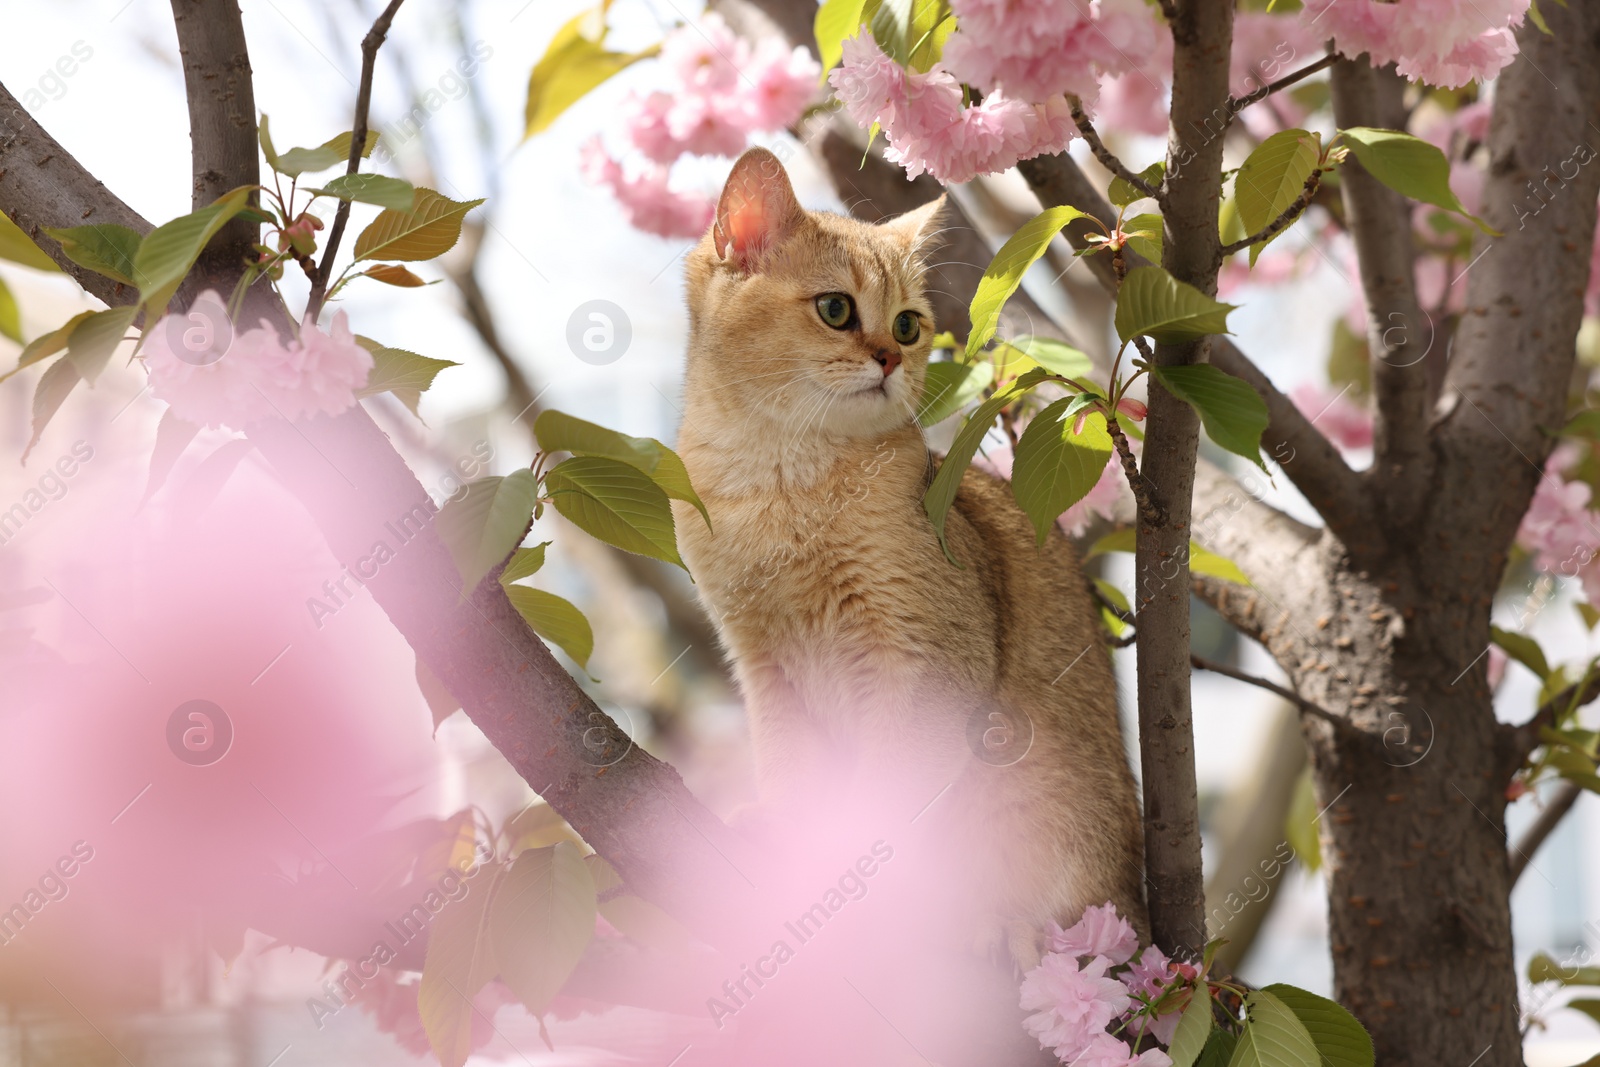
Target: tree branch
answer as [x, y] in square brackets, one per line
[1277, 225]
[1517, 741]
[1309, 459]
[1399, 332]
[1150, 509]
[358, 143]
[1237, 104]
[1202, 35]
[42, 185]
[1339, 722]
[1108, 159]
[1522, 852]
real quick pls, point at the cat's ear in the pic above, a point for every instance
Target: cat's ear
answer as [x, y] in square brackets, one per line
[918, 227]
[757, 210]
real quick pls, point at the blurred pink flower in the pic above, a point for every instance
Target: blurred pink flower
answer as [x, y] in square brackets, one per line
[705, 57]
[1073, 1004]
[257, 376]
[1036, 49]
[1135, 102]
[1447, 43]
[1560, 530]
[1100, 932]
[647, 200]
[785, 80]
[1342, 421]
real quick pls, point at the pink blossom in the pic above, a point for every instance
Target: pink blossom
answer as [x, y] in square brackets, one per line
[1036, 49]
[705, 57]
[1497, 666]
[783, 82]
[257, 376]
[650, 204]
[1447, 43]
[1100, 501]
[1559, 528]
[1072, 1003]
[1149, 973]
[1135, 102]
[1267, 46]
[1343, 422]
[1100, 932]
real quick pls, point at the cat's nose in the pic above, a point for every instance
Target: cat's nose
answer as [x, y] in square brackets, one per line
[888, 359]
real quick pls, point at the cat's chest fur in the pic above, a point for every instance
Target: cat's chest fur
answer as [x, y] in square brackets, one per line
[812, 557]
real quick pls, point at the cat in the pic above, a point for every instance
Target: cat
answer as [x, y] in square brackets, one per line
[859, 648]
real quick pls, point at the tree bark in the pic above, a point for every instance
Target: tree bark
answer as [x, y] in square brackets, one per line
[1202, 33]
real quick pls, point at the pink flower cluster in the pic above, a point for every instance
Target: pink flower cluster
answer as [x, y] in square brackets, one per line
[1024, 55]
[1562, 530]
[1447, 43]
[1343, 421]
[724, 90]
[257, 376]
[1086, 982]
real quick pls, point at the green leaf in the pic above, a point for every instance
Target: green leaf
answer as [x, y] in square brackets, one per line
[556, 620]
[1006, 271]
[949, 387]
[575, 62]
[1194, 1029]
[1231, 410]
[429, 229]
[524, 563]
[1145, 235]
[441, 705]
[386, 192]
[166, 254]
[91, 344]
[909, 31]
[405, 374]
[1057, 357]
[265, 138]
[542, 920]
[1122, 193]
[1055, 467]
[1201, 560]
[1544, 969]
[1585, 423]
[460, 961]
[616, 502]
[1219, 1049]
[1153, 303]
[1537, 17]
[836, 20]
[1522, 648]
[1113, 621]
[19, 248]
[483, 524]
[330, 153]
[55, 384]
[393, 274]
[947, 482]
[1272, 179]
[1340, 1040]
[1300, 822]
[10, 314]
[1410, 166]
[639, 919]
[1588, 1006]
[172, 437]
[1273, 1036]
[1588, 613]
[557, 431]
[47, 344]
[106, 249]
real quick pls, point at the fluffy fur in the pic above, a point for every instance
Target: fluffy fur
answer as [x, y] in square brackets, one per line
[859, 648]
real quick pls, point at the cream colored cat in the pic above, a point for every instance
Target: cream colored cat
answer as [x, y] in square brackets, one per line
[860, 649]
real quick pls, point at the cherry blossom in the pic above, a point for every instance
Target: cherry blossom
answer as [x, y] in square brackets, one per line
[1447, 43]
[646, 198]
[257, 376]
[1100, 932]
[1072, 1004]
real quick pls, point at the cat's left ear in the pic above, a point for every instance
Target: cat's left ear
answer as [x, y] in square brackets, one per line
[918, 227]
[757, 210]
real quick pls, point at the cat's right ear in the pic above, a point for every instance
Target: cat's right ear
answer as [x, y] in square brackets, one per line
[757, 210]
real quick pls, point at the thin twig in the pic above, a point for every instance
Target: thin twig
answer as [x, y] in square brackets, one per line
[1151, 513]
[1339, 721]
[1523, 738]
[1522, 852]
[1290, 213]
[1239, 103]
[1107, 158]
[358, 143]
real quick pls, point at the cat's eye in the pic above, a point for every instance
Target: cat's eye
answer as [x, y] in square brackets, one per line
[836, 309]
[907, 327]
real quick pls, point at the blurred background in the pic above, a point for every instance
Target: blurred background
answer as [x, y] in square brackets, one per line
[209, 903]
